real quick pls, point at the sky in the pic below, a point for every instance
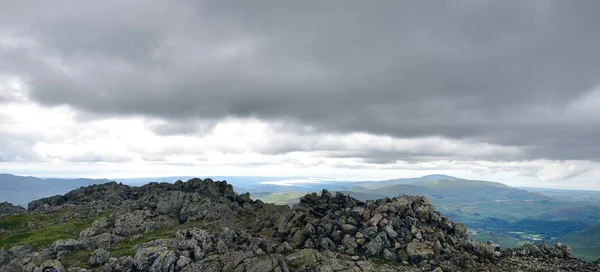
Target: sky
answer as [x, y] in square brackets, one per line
[507, 91]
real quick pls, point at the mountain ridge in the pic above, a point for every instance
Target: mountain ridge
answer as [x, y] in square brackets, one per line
[203, 225]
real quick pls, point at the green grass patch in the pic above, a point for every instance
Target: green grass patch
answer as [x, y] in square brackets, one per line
[40, 229]
[79, 258]
[585, 243]
[17, 222]
[125, 246]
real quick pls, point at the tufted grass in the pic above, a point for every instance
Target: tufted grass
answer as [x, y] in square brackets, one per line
[79, 258]
[125, 246]
[38, 230]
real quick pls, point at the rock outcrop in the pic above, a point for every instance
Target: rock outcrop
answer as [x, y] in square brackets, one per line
[10, 209]
[205, 226]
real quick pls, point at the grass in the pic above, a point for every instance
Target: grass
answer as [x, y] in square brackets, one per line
[585, 243]
[40, 229]
[125, 246]
[79, 258]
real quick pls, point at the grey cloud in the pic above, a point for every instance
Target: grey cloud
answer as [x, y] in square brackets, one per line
[470, 70]
[181, 128]
[17, 148]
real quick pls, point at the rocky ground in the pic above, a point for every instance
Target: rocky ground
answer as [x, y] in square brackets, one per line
[202, 225]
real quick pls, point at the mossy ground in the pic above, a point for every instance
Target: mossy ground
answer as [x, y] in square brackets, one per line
[125, 246]
[79, 258]
[41, 229]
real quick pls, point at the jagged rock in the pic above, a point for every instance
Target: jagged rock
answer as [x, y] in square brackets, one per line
[389, 255]
[284, 247]
[78, 269]
[376, 219]
[298, 239]
[165, 262]
[67, 245]
[137, 222]
[389, 230]
[4, 258]
[304, 257]
[100, 225]
[374, 247]
[104, 240]
[418, 251]
[485, 250]
[350, 244]
[51, 266]
[460, 229]
[99, 257]
[203, 267]
[20, 251]
[145, 257]
[10, 209]
[370, 232]
[182, 262]
[350, 229]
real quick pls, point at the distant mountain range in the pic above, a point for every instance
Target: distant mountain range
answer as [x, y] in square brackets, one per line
[20, 190]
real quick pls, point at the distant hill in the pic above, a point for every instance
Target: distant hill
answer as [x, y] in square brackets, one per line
[448, 188]
[20, 190]
[493, 211]
[585, 243]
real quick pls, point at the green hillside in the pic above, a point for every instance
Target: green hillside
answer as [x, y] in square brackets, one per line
[585, 243]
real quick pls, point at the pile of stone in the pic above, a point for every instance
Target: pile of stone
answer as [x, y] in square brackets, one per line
[405, 229]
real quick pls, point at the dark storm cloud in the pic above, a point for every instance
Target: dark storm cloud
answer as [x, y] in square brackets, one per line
[489, 71]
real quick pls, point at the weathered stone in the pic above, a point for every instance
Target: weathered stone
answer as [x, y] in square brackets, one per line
[337, 235]
[388, 255]
[67, 245]
[301, 258]
[20, 251]
[164, 262]
[51, 266]
[182, 262]
[284, 247]
[389, 230]
[374, 247]
[298, 239]
[349, 229]
[370, 232]
[417, 251]
[99, 257]
[4, 258]
[374, 221]
[145, 257]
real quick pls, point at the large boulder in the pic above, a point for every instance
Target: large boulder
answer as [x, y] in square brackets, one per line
[304, 257]
[51, 266]
[145, 257]
[99, 257]
[67, 245]
[4, 258]
[418, 251]
[10, 209]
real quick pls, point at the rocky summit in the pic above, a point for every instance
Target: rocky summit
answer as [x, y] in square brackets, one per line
[203, 225]
[8, 209]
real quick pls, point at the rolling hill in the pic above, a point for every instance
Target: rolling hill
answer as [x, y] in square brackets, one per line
[20, 190]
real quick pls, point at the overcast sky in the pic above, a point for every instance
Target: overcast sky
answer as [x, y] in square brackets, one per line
[501, 90]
